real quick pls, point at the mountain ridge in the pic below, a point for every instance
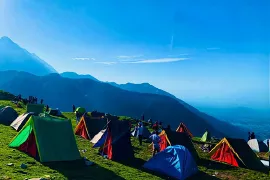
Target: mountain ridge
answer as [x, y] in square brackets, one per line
[14, 57]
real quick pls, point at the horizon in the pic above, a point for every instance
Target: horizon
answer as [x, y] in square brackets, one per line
[218, 57]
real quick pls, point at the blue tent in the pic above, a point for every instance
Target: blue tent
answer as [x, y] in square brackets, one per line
[175, 161]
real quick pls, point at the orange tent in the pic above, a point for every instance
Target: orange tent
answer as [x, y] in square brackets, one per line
[182, 128]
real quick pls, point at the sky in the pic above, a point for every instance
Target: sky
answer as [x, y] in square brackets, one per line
[204, 52]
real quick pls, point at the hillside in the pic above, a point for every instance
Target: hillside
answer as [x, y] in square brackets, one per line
[73, 75]
[103, 168]
[62, 93]
[216, 123]
[13, 57]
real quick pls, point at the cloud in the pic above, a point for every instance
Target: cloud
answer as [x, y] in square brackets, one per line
[128, 57]
[213, 48]
[160, 60]
[84, 59]
[106, 62]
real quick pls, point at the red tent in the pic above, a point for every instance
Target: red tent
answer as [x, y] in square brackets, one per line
[183, 128]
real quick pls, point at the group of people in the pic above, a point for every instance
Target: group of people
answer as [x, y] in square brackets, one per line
[251, 136]
[30, 100]
[154, 137]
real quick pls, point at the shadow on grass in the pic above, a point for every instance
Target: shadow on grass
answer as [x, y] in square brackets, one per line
[214, 165]
[78, 170]
[138, 164]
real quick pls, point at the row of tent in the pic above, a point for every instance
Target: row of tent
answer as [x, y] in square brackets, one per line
[177, 158]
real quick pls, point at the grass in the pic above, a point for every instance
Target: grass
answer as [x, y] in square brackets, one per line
[103, 169]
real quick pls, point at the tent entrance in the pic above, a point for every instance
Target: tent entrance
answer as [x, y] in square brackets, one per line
[226, 155]
[30, 146]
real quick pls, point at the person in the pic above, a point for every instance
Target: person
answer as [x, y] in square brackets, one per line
[155, 140]
[169, 127]
[140, 123]
[77, 116]
[41, 101]
[73, 108]
[249, 136]
[155, 126]
[47, 108]
[252, 136]
[140, 133]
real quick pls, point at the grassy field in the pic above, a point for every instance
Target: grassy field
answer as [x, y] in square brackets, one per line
[103, 168]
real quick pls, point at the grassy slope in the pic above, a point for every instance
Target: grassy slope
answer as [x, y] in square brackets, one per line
[104, 169]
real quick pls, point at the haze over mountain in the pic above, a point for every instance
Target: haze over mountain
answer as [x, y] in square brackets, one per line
[63, 92]
[13, 57]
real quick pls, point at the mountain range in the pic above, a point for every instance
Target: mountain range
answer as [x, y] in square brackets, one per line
[65, 89]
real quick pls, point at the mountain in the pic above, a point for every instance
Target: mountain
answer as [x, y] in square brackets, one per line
[142, 88]
[13, 57]
[60, 92]
[73, 75]
[216, 123]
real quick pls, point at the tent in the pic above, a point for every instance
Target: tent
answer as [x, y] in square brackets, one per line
[176, 138]
[47, 140]
[89, 127]
[20, 121]
[55, 112]
[237, 153]
[174, 161]
[206, 137]
[35, 108]
[7, 115]
[257, 146]
[182, 128]
[80, 110]
[114, 141]
[267, 143]
[146, 132]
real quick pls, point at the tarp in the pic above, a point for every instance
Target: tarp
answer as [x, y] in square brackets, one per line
[20, 121]
[242, 153]
[206, 137]
[89, 127]
[146, 132]
[35, 108]
[7, 115]
[182, 128]
[174, 161]
[54, 139]
[257, 145]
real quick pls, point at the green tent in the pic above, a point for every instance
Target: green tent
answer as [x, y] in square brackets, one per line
[80, 110]
[206, 137]
[35, 108]
[47, 139]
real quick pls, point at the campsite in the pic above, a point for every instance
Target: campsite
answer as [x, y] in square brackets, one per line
[16, 164]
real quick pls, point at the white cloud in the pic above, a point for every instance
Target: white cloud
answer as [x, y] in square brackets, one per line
[106, 62]
[129, 57]
[160, 60]
[84, 59]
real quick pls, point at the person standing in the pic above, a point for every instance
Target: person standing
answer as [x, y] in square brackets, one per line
[140, 134]
[155, 140]
[77, 116]
[73, 108]
[249, 137]
[41, 101]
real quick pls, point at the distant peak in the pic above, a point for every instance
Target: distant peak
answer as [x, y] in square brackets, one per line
[6, 38]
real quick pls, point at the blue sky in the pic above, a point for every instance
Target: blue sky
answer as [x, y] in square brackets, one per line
[205, 52]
